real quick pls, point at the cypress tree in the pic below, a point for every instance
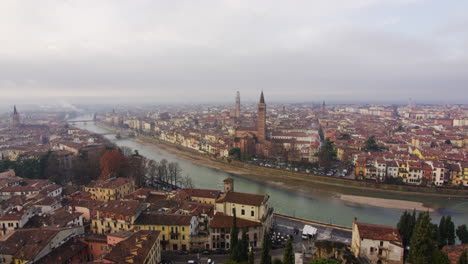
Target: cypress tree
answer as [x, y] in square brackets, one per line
[251, 257]
[234, 239]
[243, 248]
[439, 257]
[442, 232]
[266, 257]
[462, 234]
[404, 228]
[288, 255]
[463, 258]
[422, 244]
[446, 231]
[450, 227]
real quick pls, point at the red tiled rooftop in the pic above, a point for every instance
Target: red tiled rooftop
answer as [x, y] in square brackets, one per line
[378, 232]
[243, 198]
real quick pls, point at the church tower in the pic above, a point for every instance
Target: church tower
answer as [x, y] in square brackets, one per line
[15, 118]
[261, 119]
[238, 105]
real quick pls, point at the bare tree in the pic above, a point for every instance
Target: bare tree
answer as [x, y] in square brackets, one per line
[186, 182]
[175, 173]
[126, 151]
[151, 171]
[162, 171]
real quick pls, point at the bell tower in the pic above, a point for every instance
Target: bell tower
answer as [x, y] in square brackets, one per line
[261, 119]
[228, 185]
[238, 105]
[15, 118]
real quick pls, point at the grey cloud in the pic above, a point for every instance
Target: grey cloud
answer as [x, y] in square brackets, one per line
[185, 51]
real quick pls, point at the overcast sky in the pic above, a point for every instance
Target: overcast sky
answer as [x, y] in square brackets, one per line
[204, 51]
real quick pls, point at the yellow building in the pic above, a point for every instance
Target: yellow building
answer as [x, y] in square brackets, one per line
[425, 154]
[112, 189]
[465, 173]
[116, 216]
[403, 170]
[175, 230]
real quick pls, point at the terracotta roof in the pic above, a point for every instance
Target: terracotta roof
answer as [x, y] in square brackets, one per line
[31, 186]
[454, 252]
[58, 218]
[202, 193]
[198, 208]
[90, 204]
[163, 219]
[140, 243]
[221, 220]
[121, 234]
[121, 207]
[378, 232]
[64, 253]
[110, 184]
[27, 243]
[13, 214]
[163, 204]
[95, 238]
[243, 198]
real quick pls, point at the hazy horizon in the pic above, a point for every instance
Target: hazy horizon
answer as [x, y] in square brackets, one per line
[115, 52]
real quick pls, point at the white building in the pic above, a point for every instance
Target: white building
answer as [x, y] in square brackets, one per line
[379, 244]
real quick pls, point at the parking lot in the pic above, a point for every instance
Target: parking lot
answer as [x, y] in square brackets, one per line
[288, 226]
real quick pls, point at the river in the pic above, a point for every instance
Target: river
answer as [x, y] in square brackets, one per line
[320, 203]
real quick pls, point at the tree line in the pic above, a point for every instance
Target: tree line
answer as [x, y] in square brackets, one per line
[79, 169]
[162, 174]
[423, 240]
[112, 162]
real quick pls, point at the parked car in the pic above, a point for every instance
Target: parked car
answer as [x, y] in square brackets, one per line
[220, 251]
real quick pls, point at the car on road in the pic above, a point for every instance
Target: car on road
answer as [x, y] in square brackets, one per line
[220, 251]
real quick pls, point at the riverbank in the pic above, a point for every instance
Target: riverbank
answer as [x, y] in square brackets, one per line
[386, 203]
[289, 180]
[296, 182]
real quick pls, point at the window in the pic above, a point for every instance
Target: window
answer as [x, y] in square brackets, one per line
[243, 212]
[233, 210]
[183, 228]
[252, 213]
[381, 243]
